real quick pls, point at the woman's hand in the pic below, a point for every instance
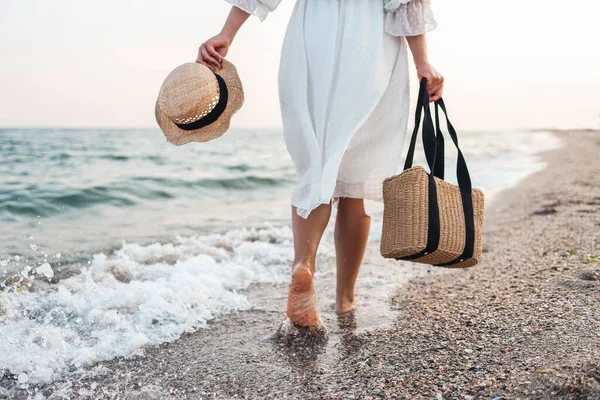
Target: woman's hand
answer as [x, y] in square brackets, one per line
[435, 81]
[212, 51]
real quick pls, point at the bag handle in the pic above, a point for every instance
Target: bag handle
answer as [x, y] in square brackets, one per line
[464, 183]
[462, 171]
[433, 141]
[429, 137]
[438, 169]
[429, 145]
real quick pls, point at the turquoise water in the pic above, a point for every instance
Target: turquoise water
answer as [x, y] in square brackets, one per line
[73, 191]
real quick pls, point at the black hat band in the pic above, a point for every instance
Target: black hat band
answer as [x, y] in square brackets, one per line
[215, 112]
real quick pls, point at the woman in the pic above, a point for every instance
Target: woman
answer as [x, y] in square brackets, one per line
[344, 97]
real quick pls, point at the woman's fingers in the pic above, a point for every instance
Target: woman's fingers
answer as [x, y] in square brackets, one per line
[206, 59]
[435, 87]
[212, 51]
[435, 81]
[437, 95]
[210, 47]
[200, 59]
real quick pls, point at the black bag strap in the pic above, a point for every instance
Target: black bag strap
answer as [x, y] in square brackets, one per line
[464, 183]
[429, 137]
[438, 169]
[462, 172]
[429, 145]
[413, 139]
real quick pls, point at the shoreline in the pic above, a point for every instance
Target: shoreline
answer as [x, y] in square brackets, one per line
[525, 323]
[416, 356]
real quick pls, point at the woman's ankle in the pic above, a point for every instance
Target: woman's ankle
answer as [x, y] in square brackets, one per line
[300, 265]
[344, 302]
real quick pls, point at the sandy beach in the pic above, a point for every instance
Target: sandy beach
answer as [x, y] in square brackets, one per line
[524, 324]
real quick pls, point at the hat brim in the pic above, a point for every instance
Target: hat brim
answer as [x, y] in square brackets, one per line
[235, 91]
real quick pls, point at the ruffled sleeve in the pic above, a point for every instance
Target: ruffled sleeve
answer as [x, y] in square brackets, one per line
[260, 8]
[408, 17]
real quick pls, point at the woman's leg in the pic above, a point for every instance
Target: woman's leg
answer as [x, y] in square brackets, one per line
[351, 235]
[302, 303]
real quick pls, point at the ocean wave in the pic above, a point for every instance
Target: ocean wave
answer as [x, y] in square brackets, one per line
[34, 200]
[137, 296]
[34, 203]
[245, 182]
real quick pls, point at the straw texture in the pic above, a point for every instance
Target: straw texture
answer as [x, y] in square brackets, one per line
[188, 94]
[406, 220]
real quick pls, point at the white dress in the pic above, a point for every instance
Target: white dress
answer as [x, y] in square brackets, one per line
[344, 92]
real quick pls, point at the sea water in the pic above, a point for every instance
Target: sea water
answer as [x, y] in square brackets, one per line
[112, 240]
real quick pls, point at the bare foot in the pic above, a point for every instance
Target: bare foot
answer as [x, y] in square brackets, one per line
[302, 302]
[290, 331]
[344, 304]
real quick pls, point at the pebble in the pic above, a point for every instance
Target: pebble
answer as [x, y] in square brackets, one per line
[23, 377]
[590, 276]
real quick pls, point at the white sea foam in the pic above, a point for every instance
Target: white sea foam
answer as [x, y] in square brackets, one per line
[140, 295]
[45, 269]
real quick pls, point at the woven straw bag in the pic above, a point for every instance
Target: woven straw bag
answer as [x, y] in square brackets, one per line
[426, 219]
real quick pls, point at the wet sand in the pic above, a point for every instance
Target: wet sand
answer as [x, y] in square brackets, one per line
[525, 323]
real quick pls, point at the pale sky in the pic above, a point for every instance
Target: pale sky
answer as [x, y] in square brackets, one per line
[509, 64]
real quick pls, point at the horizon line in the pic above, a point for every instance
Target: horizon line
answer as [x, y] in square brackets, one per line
[116, 127]
[89, 128]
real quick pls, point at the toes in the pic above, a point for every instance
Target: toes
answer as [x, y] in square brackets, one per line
[290, 330]
[305, 320]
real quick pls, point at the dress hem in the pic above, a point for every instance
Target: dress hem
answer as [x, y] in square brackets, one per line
[305, 212]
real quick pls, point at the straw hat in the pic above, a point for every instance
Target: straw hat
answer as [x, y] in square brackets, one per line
[196, 104]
